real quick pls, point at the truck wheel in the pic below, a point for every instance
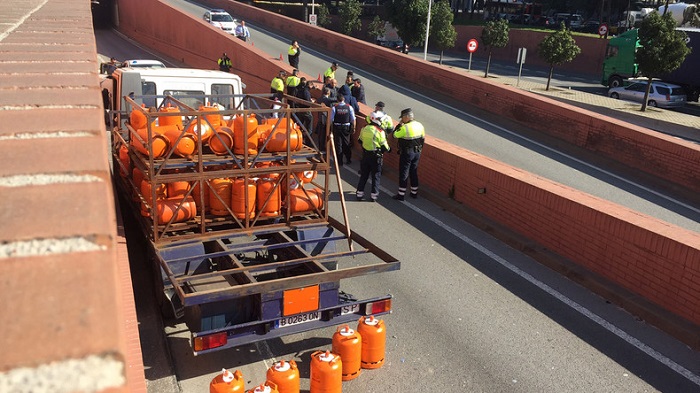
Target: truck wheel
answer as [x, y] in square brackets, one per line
[615, 81]
[614, 95]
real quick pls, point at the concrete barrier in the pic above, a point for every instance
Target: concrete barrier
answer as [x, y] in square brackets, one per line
[651, 258]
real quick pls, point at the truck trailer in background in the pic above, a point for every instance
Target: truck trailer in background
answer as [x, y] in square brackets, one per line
[620, 62]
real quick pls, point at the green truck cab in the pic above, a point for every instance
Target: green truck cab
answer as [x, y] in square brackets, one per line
[619, 63]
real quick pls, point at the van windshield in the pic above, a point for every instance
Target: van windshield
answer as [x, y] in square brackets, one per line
[192, 98]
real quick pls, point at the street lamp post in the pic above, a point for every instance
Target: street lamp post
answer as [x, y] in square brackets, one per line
[427, 32]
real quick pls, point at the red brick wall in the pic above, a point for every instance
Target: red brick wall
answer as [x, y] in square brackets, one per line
[642, 254]
[63, 314]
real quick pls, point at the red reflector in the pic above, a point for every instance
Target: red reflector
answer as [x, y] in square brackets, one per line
[211, 341]
[381, 306]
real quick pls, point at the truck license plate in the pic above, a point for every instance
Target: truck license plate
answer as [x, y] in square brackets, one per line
[297, 319]
[350, 309]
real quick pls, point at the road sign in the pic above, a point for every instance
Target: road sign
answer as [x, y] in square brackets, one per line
[603, 29]
[472, 45]
[313, 19]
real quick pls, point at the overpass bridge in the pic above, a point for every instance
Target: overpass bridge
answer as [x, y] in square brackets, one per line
[66, 277]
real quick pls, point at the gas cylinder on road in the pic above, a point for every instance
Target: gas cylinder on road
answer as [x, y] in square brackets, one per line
[348, 344]
[227, 382]
[267, 387]
[373, 341]
[326, 372]
[285, 375]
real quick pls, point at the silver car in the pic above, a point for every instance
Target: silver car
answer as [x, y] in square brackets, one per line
[662, 94]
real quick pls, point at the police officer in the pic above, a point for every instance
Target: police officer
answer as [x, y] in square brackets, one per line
[292, 83]
[330, 71]
[277, 84]
[374, 145]
[387, 122]
[343, 120]
[411, 136]
[293, 54]
[224, 63]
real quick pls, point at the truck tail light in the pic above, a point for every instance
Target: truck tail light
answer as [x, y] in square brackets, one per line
[202, 343]
[378, 307]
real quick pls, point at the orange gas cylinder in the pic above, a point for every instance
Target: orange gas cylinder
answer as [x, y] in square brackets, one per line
[167, 208]
[326, 373]
[348, 344]
[170, 120]
[278, 140]
[267, 387]
[197, 194]
[222, 188]
[266, 189]
[213, 118]
[159, 143]
[221, 142]
[285, 375]
[227, 382]
[200, 130]
[245, 134]
[125, 160]
[242, 193]
[161, 193]
[137, 177]
[178, 189]
[299, 202]
[373, 341]
[186, 146]
[138, 119]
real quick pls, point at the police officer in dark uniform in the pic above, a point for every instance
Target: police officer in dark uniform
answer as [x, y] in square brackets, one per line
[411, 136]
[343, 120]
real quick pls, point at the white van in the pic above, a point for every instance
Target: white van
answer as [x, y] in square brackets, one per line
[150, 86]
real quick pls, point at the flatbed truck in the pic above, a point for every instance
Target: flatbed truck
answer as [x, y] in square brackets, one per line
[243, 271]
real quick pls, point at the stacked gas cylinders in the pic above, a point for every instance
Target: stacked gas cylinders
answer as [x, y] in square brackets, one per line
[352, 350]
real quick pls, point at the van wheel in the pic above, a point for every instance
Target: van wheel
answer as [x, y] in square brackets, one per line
[652, 103]
[615, 81]
[614, 95]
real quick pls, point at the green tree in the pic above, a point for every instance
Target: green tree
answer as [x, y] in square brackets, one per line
[557, 48]
[663, 48]
[324, 16]
[442, 32]
[494, 35]
[350, 11]
[409, 18]
[376, 27]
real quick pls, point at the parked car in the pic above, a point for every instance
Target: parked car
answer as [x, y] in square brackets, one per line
[662, 94]
[395, 45]
[546, 22]
[590, 26]
[221, 19]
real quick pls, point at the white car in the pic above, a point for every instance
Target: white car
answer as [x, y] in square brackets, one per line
[662, 94]
[221, 19]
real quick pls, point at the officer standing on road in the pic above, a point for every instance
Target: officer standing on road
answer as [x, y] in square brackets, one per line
[411, 136]
[330, 71]
[224, 63]
[374, 145]
[293, 54]
[277, 84]
[387, 123]
[343, 120]
[292, 83]
[242, 32]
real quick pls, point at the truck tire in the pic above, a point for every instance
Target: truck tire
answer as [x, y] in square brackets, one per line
[615, 81]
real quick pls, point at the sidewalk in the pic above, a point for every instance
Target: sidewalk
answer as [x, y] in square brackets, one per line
[666, 121]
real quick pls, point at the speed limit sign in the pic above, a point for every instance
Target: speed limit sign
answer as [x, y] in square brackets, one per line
[603, 29]
[472, 45]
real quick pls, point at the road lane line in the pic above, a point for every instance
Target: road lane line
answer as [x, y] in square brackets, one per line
[689, 375]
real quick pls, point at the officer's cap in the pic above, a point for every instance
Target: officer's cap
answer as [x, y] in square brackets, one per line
[379, 104]
[407, 111]
[334, 64]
